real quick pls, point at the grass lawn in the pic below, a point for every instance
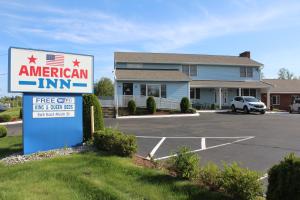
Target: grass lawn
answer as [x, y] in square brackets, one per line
[92, 176]
[10, 145]
[13, 112]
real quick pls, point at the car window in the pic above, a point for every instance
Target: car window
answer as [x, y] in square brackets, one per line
[251, 99]
[297, 101]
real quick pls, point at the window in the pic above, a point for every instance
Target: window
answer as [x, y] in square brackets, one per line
[143, 89]
[163, 91]
[275, 99]
[193, 70]
[242, 71]
[185, 69]
[246, 72]
[195, 93]
[127, 88]
[190, 70]
[155, 90]
[253, 92]
[249, 72]
[192, 93]
[249, 92]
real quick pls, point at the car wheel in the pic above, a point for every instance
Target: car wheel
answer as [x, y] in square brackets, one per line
[246, 110]
[262, 112]
[233, 108]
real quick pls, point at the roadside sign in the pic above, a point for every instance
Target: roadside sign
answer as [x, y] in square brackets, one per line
[52, 84]
[49, 71]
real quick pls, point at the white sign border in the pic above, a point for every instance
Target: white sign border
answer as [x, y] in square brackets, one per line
[61, 92]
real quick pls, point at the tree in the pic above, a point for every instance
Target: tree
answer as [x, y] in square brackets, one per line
[284, 73]
[104, 87]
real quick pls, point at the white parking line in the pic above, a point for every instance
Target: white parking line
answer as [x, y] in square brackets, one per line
[179, 137]
[151, 154]
[203, 143]
[212, 147]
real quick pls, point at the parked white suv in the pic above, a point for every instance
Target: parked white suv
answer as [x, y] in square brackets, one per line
[295, 106]
[248, 104]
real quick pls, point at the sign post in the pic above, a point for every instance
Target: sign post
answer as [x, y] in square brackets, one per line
[52, 84]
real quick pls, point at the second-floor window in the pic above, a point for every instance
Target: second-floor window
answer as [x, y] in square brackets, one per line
[246, 72]
[190, 70]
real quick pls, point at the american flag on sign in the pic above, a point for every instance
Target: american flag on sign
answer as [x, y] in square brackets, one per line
[55, 60]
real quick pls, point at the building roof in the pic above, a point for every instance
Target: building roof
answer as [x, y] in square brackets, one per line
[150, 75]
[173, 58]
[284, 86]
[229, 84]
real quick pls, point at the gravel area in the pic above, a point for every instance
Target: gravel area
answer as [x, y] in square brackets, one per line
[19, 158]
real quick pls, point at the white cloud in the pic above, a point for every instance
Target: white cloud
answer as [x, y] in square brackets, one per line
[96, 27]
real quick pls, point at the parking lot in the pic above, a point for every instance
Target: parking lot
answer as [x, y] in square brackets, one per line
[255, 141]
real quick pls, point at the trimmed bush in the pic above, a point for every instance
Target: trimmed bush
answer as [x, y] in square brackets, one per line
[5, 118]
[131, 107]
[186, 164]
[88, 101]
[184, 104]
[151, 105]
[210, 176]
[3, 131]
[115, 142]
[21, 113]
[213, 106]
[240, 183]
[284, 179]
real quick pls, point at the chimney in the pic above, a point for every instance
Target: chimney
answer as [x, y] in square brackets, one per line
[245, 54]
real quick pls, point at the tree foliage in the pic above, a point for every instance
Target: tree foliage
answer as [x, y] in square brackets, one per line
[286, 74]
[104, 87]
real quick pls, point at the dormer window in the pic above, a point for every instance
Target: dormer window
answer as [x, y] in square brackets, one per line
[190, 70]
[246, 71]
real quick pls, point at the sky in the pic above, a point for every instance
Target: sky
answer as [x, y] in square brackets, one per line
[270, 29]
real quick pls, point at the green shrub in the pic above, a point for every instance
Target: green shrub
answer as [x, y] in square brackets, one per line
[151, 105]
[210, 176]
[184, 104]
[21, 113]
[5, 118]
[186, 164]
[3, 131]
[114, 141]
[213, 106]
[88, 101]
[131, 107]
[240, 183]
[284, 179]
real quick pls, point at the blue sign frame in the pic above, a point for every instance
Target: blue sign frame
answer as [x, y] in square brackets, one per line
[42, 134]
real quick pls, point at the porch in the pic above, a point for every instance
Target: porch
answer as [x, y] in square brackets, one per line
[204, 94]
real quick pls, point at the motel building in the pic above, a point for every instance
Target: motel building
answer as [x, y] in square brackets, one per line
[205, 79]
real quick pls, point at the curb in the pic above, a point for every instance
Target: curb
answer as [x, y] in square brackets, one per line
[11, 123]
[158, 116]
[211, 111]
[272, 112]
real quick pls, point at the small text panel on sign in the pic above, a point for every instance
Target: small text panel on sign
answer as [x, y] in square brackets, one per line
[53, 107]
